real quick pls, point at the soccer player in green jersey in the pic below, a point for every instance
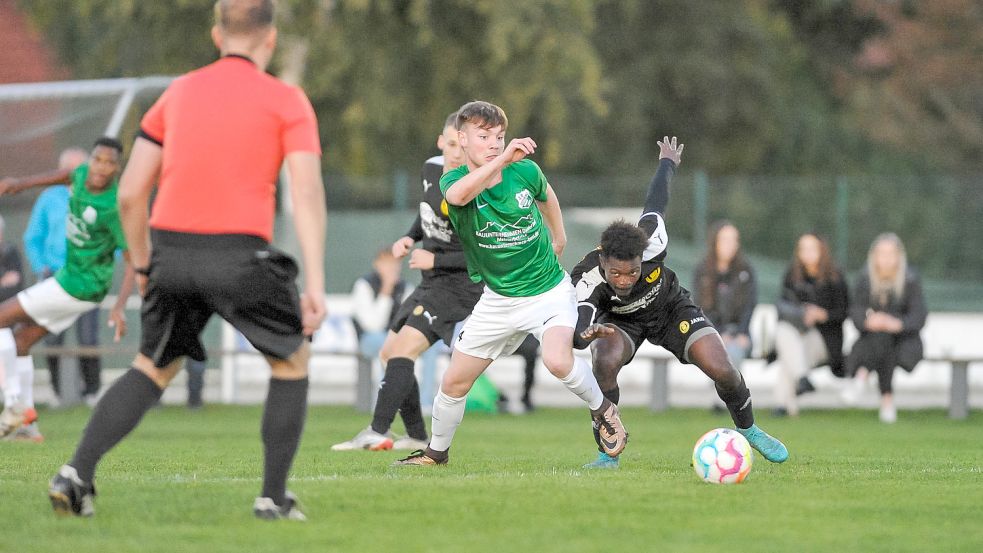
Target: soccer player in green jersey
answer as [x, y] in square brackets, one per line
[511, 229]
[94, 235]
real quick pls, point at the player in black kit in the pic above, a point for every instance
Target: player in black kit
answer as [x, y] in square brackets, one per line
[445, 297]
[626, 294]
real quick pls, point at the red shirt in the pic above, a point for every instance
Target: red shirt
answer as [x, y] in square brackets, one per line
[224, 130]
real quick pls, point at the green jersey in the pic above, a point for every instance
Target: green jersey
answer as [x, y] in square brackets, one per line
[502, 232]
[94, 233]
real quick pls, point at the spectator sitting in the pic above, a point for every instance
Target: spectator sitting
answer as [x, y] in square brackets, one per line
[888, 309]
[811, 312]
[375, 299]
[11, 272]
[726, 288]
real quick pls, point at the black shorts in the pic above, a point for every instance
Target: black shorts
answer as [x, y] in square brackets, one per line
[682, 325]
[241, 278]
[435, 309]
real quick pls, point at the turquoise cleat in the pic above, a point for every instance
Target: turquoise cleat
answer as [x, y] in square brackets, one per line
[769, 446]
[603, 461]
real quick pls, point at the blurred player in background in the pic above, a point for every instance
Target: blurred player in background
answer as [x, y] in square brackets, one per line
[217, 139]
[444, 298]
[44, 244]
[94, 234]
[510, 226]
[626, 295]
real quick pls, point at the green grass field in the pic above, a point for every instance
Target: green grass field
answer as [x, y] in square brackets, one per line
[185, 482]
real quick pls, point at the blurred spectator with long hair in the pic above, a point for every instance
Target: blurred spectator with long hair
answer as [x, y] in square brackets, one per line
[888, 309]
[726, 288]
[811, 311]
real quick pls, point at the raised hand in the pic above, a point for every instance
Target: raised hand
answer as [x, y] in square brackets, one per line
[519, 148]
[669, 150]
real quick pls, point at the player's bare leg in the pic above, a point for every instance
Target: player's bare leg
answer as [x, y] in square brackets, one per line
[448, 409]
[709, 354]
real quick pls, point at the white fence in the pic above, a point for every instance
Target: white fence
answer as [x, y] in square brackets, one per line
[334, 369]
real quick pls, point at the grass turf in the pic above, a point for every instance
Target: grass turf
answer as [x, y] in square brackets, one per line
[185, 482]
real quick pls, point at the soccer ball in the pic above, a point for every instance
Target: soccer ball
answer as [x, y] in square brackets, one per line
[722, 456]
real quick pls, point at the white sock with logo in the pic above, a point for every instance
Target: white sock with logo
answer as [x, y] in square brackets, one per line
[8, 358]
[25, 370]
[448, 412]
[581, 382]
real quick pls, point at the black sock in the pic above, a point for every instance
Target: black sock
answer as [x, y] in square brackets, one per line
[613, 395]
[738, 401]
[283, 422]
[396, 385]
[117, 413]
[412, 414]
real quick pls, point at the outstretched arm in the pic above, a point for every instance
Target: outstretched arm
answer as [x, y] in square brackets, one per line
[13, 185]
[658, 194]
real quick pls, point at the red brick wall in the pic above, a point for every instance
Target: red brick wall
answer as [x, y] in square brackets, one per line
[24, 57]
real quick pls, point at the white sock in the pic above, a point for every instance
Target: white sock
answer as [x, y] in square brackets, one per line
[25, 369]
[581, 382]
[448, 412]
[8, 358]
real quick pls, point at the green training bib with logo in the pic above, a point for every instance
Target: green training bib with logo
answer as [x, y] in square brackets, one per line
[94, 233]
[505, 241]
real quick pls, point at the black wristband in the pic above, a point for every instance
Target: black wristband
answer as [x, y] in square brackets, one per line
[145, 271]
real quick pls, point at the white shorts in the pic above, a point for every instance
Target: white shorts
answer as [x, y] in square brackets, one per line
[498, 324]
[51, 306]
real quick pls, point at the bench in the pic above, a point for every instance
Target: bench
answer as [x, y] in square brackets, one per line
[762, 330]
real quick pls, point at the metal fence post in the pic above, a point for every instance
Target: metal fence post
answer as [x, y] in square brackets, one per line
[842, 221]
[700, 195]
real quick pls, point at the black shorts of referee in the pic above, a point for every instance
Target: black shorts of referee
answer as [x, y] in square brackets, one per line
[240, 277]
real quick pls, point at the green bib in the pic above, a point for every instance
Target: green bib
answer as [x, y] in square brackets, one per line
[505, 241]
[94, 233]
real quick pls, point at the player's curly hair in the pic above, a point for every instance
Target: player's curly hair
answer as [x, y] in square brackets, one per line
[623, 241]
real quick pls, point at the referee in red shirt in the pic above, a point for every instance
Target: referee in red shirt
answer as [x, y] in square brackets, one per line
[216, 140]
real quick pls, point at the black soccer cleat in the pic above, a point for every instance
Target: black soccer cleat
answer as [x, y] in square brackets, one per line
[69, 495]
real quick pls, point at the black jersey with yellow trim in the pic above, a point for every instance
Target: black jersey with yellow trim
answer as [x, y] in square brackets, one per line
[432, 228]
[657, 289]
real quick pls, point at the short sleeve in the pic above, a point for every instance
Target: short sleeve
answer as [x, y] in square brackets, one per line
[299, 131]
[536, 179]
[449, 178]
[152, 124]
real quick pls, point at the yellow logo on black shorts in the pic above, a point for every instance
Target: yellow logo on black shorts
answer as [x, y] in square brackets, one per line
[443, 210]
[684, 327]
[418, 310]
[654, 275]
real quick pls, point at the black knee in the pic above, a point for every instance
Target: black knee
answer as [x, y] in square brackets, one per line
[606, 369]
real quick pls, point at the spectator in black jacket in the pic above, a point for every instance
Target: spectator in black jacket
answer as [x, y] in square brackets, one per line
[811, 312]
[888, 309]
[726, 287]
